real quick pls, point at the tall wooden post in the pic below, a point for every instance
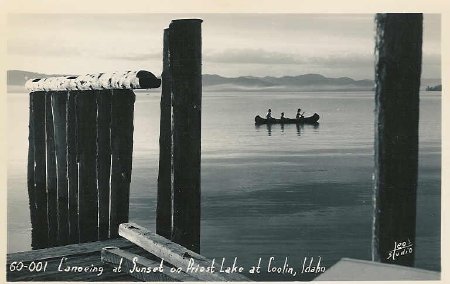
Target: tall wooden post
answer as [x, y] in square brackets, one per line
[103, 160]
[398, 68]
[52, 188]
[37, 171]
[87, 139]
[122, 113]
[59, 100]
[185, 65]
[72, 165]
[164, 205]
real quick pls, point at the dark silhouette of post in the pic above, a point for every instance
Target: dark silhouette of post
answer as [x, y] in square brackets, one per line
[52, 192]
[122, 113]
[103, 160]
[37, 171]
[87, 141]
[398, 69]
[59, 100]
[164, 204]
[72, 165]
[185, 65]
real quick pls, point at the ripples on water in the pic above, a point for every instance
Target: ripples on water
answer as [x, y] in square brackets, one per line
[268, 191]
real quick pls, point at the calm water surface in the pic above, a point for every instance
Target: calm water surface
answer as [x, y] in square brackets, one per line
[267, 191]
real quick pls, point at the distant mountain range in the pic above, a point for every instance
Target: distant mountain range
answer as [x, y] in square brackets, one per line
[307, 82]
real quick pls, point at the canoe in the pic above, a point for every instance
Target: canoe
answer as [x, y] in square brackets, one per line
[302, 120]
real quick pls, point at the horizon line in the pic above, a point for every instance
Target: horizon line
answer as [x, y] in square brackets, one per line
[240, 76]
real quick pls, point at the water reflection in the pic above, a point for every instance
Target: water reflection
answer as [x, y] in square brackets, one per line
[299, 127]
[269, 129]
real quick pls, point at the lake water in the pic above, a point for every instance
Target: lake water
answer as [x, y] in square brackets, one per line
[281, 191]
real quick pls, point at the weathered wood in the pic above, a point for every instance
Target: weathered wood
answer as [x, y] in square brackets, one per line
[122, 150]
[185, 65]
[173, 253]
[59, 100]
[67, 250]
[398, 68]
[30, 173]
[87, 139]
[52, 193]
[84, 255]
[72, 166]
[128, 261]
[350, 270]
[103, 160]
[102, 81]
[164, 204]
[37, 168]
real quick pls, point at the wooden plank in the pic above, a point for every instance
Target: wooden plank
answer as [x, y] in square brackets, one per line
[59, 100]
[72, 166]
[122, 150]
[185, 65]
[141, 267]
[103, 160]
[164, 203]
[97, 271]
[362, 270]
[67, 250]
[52, 193]
[84, 255]
[173, 253]
[87, 151]
[37, 167]
[398, 69]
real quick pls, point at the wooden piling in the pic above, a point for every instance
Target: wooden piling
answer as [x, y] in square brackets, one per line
[30, 175]
[72, 166]
[80, 155]
[37, 171]
[103, 159]
[87, 141]
[52, 193]
[185, 66]
[122, 109]
[164, 204]
[59, 100]
[398, 69]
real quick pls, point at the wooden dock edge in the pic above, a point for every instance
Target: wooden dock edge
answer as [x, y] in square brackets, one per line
[174, 253]
[348, 269]
[148, 270]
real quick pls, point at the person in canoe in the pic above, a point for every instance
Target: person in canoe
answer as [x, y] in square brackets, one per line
[299, 115]
[269, 114]
[282, 116]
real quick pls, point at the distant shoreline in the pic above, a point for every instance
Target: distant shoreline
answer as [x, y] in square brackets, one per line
[215, 83]
[13, 89]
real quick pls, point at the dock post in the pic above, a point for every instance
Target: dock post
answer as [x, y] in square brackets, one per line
[37, 171]
[59, 100]
[72, 165]
[87, 139]
[185, 65]
[103, 160]
[164, 204]
[122, 128]
[52, 188]
[397, 77]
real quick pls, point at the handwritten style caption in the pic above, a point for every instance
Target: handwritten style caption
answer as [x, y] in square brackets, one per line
[270, 265]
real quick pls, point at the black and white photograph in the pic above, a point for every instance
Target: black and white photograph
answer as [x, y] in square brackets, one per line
[223, 146]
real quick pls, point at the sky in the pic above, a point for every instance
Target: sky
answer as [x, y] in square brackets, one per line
[334, 45]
